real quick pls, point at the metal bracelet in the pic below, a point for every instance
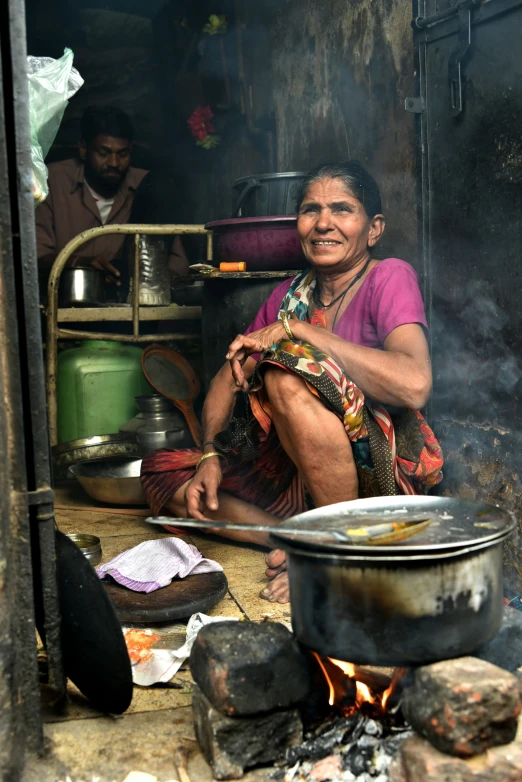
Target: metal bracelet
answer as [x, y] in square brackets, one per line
[286, 326]
[208, 455]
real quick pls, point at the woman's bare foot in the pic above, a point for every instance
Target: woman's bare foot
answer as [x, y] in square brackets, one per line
[276, 561]
[277, 591]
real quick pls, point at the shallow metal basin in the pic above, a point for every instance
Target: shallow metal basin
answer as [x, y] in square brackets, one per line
[115, 481]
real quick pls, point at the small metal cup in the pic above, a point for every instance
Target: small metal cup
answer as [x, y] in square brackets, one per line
[90, 546]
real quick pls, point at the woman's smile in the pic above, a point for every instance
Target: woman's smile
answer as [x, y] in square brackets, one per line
[333, 225]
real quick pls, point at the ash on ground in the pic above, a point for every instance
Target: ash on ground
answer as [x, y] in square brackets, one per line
[346, 749]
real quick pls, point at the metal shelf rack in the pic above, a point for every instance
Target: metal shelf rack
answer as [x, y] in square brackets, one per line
[115, 313]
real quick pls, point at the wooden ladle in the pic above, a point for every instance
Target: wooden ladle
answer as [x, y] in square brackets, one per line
[173, 377]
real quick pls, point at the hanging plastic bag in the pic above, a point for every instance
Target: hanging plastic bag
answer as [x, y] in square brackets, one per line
[52, 83]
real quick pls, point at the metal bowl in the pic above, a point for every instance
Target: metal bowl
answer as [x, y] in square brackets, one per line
[173, 439]
[90, 546]
[113, 481]
[96, 447]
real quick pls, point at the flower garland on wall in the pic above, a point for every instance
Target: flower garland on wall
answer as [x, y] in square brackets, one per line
[201, 127]
[200, 121]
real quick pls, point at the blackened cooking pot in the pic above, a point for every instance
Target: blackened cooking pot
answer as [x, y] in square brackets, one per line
[404, 604]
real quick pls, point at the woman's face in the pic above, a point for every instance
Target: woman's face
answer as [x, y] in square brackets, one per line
[333, 226]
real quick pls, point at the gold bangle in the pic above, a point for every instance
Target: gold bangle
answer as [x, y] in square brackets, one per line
[286, 326]
[207, 456]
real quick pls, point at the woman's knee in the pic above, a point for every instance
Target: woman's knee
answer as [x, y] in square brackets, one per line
[284, 388]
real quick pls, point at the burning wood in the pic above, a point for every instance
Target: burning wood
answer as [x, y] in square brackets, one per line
[353, 748]
[362, 733]
[355, 689]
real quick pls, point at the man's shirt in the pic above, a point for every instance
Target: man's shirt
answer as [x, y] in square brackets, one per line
[70, 209]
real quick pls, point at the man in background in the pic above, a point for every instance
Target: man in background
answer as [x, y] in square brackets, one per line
[97, 189]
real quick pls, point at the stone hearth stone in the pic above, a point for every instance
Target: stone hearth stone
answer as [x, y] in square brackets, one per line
[233, 744]
[419, 761]
[245, 668]
[463, 706]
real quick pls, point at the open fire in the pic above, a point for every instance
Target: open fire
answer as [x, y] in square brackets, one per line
[354, 689]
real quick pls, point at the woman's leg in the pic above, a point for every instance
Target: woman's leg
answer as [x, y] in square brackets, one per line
[230, 509]
[316, 441]
[313, 437]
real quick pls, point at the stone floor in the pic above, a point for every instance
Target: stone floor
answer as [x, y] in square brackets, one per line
[156, 734]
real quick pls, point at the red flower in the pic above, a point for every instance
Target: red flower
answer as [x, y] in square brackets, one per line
[200, 122]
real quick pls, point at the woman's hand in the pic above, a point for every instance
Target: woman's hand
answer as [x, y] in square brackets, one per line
[201, 493]
[244, 345]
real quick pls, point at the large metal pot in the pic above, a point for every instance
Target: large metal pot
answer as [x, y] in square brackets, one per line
[268, 194]
[81, 287]
[404, 604]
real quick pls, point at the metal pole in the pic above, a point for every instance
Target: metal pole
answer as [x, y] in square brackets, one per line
[136, 296]
[73, 334]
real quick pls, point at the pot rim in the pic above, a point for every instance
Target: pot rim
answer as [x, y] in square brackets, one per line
[276, 175]
[287, 221]
[467, 515]
[401, 557]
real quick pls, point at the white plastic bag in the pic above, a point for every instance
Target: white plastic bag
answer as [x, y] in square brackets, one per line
[51, 85]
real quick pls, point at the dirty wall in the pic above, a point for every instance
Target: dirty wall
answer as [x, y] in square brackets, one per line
[341, 72]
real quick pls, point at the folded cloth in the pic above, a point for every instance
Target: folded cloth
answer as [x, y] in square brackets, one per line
[153, 564]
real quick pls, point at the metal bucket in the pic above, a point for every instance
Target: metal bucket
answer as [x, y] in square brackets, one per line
[268, 194]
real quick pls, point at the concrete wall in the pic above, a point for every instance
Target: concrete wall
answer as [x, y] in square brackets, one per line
[341, 72]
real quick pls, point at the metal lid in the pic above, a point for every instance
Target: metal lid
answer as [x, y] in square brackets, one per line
[455, 524]
[94, 440]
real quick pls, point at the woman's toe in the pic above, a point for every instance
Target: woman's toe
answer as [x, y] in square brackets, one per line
[275, 559]
[273, 572]
[278, 590]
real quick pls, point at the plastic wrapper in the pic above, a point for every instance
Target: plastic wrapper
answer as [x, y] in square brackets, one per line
[52, 83]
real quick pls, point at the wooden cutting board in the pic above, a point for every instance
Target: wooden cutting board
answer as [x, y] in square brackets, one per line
[179, 600]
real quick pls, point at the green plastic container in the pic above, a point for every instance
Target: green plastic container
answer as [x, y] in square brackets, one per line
[97, 386]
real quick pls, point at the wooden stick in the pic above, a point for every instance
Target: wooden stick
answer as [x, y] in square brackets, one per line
[183, 774]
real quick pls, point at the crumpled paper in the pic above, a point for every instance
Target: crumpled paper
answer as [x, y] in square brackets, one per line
[150, 665]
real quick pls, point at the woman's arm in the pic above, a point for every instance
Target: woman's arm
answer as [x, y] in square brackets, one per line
[201, 494]
[398, 375]
[220, 400]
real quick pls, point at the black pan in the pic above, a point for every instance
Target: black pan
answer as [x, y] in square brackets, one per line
[95, 656]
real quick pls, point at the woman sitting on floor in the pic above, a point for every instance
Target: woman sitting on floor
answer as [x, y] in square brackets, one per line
[322, 352]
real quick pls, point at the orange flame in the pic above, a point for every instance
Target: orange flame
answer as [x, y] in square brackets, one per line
[331, 699]
[398, 675]
[347, 668]
[363, 694]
